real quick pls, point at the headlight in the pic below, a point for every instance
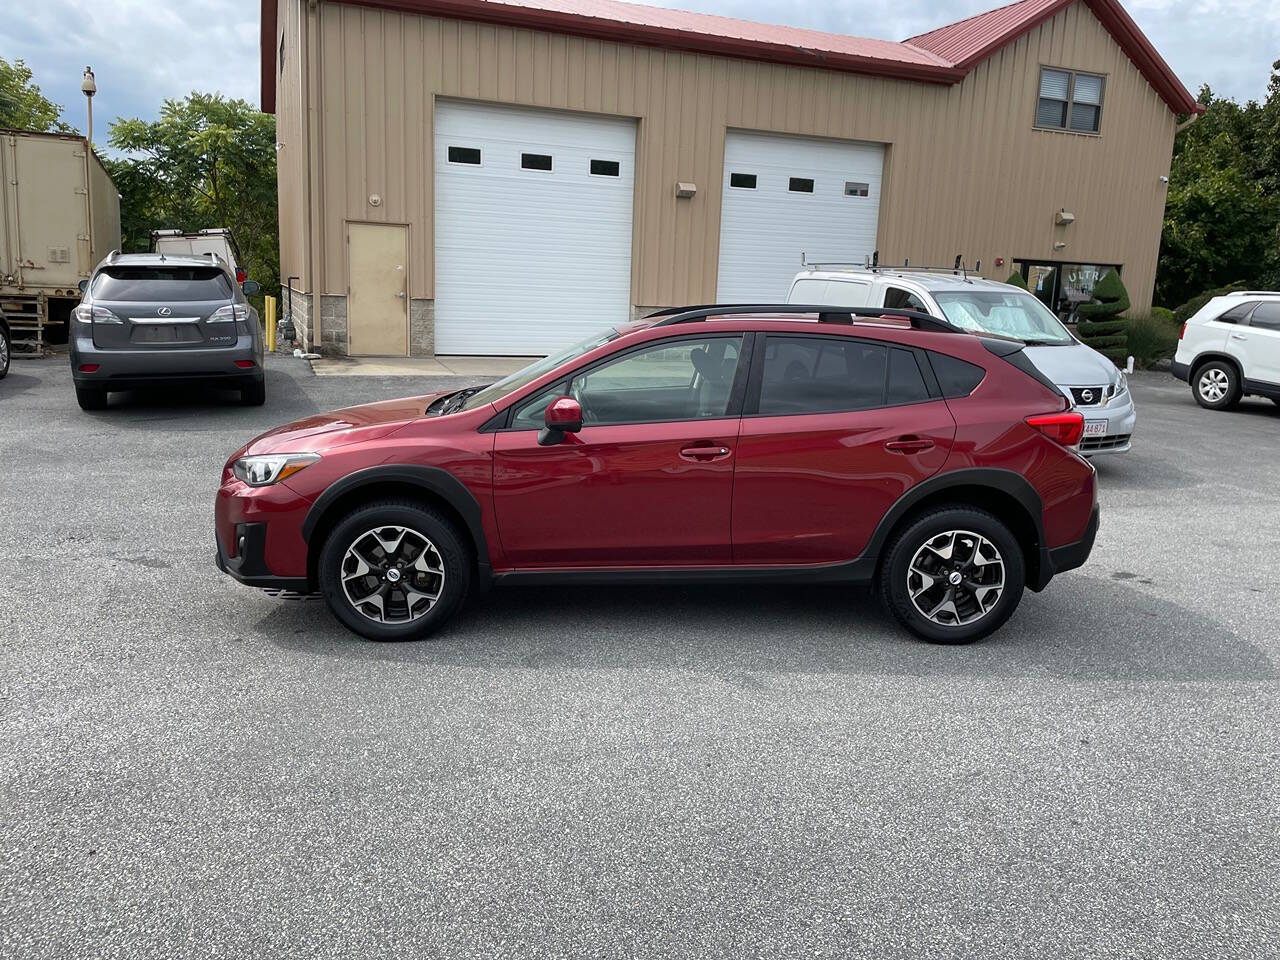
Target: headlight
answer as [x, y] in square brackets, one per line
[87, 314]
[229, 314]
[1120, 387]
[266, 469]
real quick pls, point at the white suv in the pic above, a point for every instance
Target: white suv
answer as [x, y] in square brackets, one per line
[1095, 386]
[1231, 349]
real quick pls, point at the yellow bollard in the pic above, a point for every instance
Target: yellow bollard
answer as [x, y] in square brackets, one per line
[269, 308]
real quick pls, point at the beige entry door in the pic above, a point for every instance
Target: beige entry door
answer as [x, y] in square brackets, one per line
[377, 290]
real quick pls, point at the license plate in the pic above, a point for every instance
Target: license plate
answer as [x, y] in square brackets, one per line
[1095, 428]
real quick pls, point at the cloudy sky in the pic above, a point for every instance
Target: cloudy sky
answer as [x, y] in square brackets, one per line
[145, 50]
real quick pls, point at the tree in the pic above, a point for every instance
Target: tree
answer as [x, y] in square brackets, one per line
[1222, 212]
[1016, 279]
[206, 162]
[23, 106]
[1102, 324]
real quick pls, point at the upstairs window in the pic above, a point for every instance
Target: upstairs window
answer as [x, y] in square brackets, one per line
[1069, 101]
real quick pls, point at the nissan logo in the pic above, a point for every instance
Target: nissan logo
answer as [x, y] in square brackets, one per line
[163, 311]
[1085, 395]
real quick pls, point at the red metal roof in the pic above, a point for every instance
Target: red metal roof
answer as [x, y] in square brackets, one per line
[936, 57]
[968, 42]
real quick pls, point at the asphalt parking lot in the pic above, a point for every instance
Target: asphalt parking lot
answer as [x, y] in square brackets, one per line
[191, 768]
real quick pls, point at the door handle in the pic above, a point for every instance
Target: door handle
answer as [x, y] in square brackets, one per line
[704, 454]
[1238, 336]
[909, 445]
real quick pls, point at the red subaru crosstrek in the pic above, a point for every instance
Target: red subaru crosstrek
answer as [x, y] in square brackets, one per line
[715, 443]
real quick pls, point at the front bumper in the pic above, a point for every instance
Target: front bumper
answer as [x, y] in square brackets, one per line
[258, 532]
[1121, 417]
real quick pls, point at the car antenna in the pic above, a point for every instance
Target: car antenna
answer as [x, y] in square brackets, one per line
[957, 267]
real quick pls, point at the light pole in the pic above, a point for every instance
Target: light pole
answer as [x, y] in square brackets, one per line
[89, 87]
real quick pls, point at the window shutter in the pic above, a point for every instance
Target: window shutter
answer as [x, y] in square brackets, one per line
[1053, 84]
[1088, 89]
[1051, 113]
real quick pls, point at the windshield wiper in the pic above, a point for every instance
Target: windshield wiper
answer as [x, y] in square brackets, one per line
[1044, 343]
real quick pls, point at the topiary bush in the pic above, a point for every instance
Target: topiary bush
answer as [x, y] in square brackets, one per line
[1184, 313]
[1102, 323]
[1152, 338]
[1017, 280]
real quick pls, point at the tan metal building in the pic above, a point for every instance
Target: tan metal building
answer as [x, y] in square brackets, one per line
[470, 176]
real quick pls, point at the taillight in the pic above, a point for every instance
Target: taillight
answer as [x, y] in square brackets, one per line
[241, 275]
[1183, 332]
[1064, 428]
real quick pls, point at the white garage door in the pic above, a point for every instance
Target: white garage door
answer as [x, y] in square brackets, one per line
[784, 196]
[532, 227]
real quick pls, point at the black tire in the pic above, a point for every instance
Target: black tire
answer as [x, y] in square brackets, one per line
[254, 394]
[452, 551]
[934, 525]
[1216, 385]
[6, 349]
[91, 398]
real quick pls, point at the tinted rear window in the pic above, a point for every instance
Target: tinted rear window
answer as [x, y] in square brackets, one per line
[906, 384]
[821, 375]
[957, 378]
[161, 283]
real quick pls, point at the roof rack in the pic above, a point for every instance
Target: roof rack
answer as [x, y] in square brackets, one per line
[872, 263]
[843, 316]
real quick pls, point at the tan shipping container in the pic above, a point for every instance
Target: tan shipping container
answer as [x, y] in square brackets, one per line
[59, 216]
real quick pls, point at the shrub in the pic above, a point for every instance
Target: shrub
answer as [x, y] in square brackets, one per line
[1017, 280]
[1185, 312]
[1103, 325]
[1153, 337]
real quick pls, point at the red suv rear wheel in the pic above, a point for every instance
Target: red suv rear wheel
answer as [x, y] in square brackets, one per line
[953, 575]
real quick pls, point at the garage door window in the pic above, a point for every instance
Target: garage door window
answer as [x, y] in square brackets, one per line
[852, 189]
[468, 155]
[605, 168]
[800, 185]
[536, 161]
[743, 181]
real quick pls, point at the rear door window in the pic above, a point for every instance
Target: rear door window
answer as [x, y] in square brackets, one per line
[906, 383]
[1266, 316]
[168, 284]
[821, 375]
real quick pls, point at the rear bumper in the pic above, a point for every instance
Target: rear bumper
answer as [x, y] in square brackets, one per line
[1072, 555]
[130, 369]
[1181, 371]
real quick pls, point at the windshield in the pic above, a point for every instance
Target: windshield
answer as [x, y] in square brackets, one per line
[1010, 313]
[161, 283]
[526, 375]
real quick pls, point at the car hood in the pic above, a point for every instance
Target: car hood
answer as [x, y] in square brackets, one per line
[337, 428]
[1072, 365]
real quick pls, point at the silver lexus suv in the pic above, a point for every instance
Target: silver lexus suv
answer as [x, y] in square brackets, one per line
[1095, 386]
[147, 320]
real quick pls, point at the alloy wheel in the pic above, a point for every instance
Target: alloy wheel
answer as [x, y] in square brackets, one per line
[956, 578]
[4, 351]
[1214, 385]
[392, 574]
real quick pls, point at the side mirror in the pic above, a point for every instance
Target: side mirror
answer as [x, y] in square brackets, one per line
[564, 415]
[83, 285]
[250, 287]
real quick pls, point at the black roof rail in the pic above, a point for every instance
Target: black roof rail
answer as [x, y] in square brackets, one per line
[826, 314]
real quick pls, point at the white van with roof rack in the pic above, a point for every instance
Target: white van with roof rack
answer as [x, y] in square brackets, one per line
[973, 303]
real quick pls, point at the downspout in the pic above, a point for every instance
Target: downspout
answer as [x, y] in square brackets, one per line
[309, 27]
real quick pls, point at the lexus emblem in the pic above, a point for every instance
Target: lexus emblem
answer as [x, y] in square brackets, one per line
[164, 311]
[1085, 395]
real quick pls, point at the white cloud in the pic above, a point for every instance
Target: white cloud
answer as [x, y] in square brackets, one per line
[146, 50]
